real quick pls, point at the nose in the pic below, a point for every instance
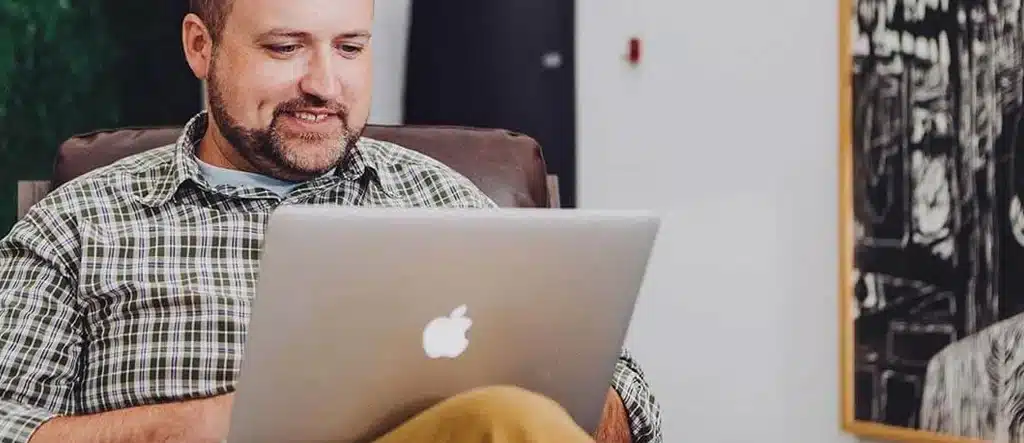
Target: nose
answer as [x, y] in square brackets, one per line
[321, 78]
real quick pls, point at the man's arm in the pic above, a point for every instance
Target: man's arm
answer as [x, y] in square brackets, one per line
[641, 408]
[40, 345]
[40, 338]
[614, 427]
[199, 421]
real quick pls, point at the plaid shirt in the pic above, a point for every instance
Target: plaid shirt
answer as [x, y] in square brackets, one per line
[131, 285]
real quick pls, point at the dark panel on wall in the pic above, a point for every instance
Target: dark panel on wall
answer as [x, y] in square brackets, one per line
[156, 85]
[505, 64]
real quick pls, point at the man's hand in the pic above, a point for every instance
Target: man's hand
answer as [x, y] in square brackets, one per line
[614, 427]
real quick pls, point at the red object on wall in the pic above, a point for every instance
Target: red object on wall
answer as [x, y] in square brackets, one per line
[634, 51]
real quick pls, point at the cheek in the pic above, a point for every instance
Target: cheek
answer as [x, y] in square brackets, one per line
[358, 86]
[266, 85]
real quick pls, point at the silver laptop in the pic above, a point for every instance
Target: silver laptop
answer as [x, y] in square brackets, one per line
[365, 317]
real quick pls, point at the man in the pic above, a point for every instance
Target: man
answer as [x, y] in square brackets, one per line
[124, 295]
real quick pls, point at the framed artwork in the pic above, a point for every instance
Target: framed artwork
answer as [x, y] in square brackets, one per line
[932, 219]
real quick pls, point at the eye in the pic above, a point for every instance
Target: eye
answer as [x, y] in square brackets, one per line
[350, 48]
[282, 49]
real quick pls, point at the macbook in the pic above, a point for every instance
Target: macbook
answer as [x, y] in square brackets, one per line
[365, 317]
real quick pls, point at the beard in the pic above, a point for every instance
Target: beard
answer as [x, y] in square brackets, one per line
[287, 156]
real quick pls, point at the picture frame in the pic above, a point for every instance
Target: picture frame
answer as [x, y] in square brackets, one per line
[931, 210]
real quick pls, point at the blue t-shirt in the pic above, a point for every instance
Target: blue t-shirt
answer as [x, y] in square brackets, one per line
[217, 176]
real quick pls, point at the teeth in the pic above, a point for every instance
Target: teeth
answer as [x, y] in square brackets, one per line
[309, 117]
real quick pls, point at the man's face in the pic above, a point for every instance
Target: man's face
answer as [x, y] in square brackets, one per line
[290, 81]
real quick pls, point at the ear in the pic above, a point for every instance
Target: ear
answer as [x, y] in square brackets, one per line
[198, 44]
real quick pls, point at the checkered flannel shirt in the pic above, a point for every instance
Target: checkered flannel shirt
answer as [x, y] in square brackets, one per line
[131, 285]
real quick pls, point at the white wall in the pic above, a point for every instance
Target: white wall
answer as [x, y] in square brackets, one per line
[390, 32]
[730, 127]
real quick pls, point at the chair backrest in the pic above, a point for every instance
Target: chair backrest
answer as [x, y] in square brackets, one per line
[507, 166]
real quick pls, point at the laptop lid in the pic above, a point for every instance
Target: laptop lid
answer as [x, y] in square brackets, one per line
[365, 317]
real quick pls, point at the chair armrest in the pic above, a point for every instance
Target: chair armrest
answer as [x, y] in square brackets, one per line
[30, 192]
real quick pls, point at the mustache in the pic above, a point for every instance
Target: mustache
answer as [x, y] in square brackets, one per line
[307, 102]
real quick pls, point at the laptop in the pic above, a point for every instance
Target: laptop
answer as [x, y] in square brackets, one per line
[365, 317]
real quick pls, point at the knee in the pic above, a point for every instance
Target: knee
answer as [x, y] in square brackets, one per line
[502, 414]
[506, 396]
[507, 403]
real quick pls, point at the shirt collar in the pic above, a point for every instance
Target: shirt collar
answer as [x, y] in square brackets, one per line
[184, 166]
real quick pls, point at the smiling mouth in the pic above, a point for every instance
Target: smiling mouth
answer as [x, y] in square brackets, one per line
[311, 117]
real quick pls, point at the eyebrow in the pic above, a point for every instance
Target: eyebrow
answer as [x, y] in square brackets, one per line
[285, 32]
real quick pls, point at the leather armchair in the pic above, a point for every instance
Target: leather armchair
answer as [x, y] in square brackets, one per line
[507, 166]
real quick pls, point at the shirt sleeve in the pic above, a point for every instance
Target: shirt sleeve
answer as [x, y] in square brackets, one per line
[642, 408]
[39, 336]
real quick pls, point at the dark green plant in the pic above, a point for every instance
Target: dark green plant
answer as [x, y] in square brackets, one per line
[56, 60]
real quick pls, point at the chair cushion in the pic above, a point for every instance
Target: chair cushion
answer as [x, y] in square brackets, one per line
[507, 166]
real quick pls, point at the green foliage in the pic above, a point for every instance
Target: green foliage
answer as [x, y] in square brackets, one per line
[56, 59]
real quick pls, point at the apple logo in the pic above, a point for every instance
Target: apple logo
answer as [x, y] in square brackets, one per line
[446, 336]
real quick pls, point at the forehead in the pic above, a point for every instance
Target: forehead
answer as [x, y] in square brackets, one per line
[311, 16]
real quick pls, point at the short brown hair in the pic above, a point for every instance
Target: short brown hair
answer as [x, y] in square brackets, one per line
[214, 13]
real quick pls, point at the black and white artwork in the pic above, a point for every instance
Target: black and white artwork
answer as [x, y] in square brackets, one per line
[936, 289]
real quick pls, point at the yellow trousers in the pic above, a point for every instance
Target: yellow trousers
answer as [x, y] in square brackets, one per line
[491, 415]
